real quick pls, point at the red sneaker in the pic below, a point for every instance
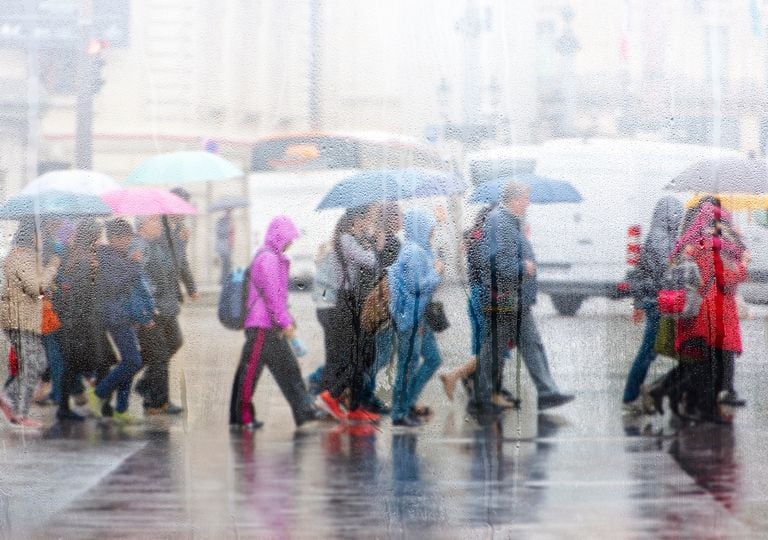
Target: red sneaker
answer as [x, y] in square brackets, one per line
[27, 423]
[326, 402]
[361, 415]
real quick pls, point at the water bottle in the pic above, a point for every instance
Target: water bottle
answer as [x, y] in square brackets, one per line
[298, 347]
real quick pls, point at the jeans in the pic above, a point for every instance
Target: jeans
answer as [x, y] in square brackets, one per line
[645, 355]
[385, 344]
[55, 364]
[412, 375]
[120, 378]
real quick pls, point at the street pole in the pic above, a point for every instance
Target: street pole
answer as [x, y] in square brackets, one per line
[85, 79]
[315, 65]
[33, 93]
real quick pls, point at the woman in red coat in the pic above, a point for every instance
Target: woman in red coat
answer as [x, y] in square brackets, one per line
[712, 339]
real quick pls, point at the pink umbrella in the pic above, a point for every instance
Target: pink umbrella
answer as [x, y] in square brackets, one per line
[146, 202]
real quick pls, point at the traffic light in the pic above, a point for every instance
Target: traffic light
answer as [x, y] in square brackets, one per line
[96, 64]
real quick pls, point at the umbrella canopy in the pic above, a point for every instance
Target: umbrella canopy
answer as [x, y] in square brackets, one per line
[182, 168]
[723, 175]
[390, 185]
[72, 180]
[53, 204]
[147, 202]
[228, 203]
[543, 190]
[734, 201]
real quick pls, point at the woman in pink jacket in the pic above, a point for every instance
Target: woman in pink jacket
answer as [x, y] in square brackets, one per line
[268, 329]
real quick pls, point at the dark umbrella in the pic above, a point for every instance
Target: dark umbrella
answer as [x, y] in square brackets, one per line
[723, 175]
[390, 185]
[543, 190]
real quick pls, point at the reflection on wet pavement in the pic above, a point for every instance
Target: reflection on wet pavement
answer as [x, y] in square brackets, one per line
[580, 472]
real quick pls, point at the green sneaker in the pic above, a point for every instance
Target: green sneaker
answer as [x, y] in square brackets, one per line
[94, 402]
[125, 419]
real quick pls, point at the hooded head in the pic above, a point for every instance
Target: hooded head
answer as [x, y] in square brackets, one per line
[280, 233]
[419, 225]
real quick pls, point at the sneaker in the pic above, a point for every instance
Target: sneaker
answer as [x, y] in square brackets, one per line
[6, 408]
[730, 397]
[510, 397]
[554, 400]
[27, 423]
[361, 415]
[173, 409]
[68, 415]
[80, 399]
[407, 421]
[377, 406]
[326, 402]
[501, 401]
[125, 418]
[95, 403]
[632, 408]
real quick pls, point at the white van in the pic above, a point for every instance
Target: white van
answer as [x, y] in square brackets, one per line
[582, 249]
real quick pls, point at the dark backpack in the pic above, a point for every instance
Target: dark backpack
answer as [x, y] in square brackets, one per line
[233, 299]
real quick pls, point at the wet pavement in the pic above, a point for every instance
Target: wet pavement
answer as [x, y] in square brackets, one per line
[579, 471]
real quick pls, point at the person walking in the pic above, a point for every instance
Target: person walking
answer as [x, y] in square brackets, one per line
[507, 296]
[645, 282]
[413, 279]
[126, 302]
[161, 341]
[225, 242]
[21, 316]
[712, 339]
[269, 327]
[83, 334]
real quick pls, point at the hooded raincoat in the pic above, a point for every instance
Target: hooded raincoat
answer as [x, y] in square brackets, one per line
[413, 278]
[268, 285]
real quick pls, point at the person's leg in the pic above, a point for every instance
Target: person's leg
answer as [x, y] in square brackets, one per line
[235, 416]
[385, 342]
[122, 375]
[408, 348]
[498, 329]
[534, 356]
[154, 355]
[282, 363]
[251, 364]
[32, 364]
[55, 363]
[645, 355]
[430, 363]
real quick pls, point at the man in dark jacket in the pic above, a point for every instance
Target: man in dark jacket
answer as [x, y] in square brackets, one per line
[508, 293]
[160, 342]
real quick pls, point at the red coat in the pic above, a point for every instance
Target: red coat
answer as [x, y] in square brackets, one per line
[718, 320]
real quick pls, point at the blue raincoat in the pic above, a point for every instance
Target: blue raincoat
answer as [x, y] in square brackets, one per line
[412, 277]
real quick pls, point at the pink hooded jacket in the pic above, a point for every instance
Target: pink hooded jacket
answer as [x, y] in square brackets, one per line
[268, 290]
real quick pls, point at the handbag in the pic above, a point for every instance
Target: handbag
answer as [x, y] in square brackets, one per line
[681, 294]
[435, 317]
[665, 338]
[375, 310]
[51, 321]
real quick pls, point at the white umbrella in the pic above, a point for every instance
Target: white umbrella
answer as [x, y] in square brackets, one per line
[80, 181]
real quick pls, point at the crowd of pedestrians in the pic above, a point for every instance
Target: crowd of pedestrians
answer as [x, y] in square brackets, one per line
[92, 304]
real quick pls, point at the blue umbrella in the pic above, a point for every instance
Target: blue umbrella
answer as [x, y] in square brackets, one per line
[182, 168]
[390, 185]
[53, 204]
[543, 190]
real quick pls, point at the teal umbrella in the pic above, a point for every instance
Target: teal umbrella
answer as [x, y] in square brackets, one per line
[182, 168]
[53, 204]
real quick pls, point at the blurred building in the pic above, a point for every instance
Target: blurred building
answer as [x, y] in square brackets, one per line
[691, 71]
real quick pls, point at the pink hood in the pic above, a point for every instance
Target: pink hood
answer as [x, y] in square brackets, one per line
[268, 290]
